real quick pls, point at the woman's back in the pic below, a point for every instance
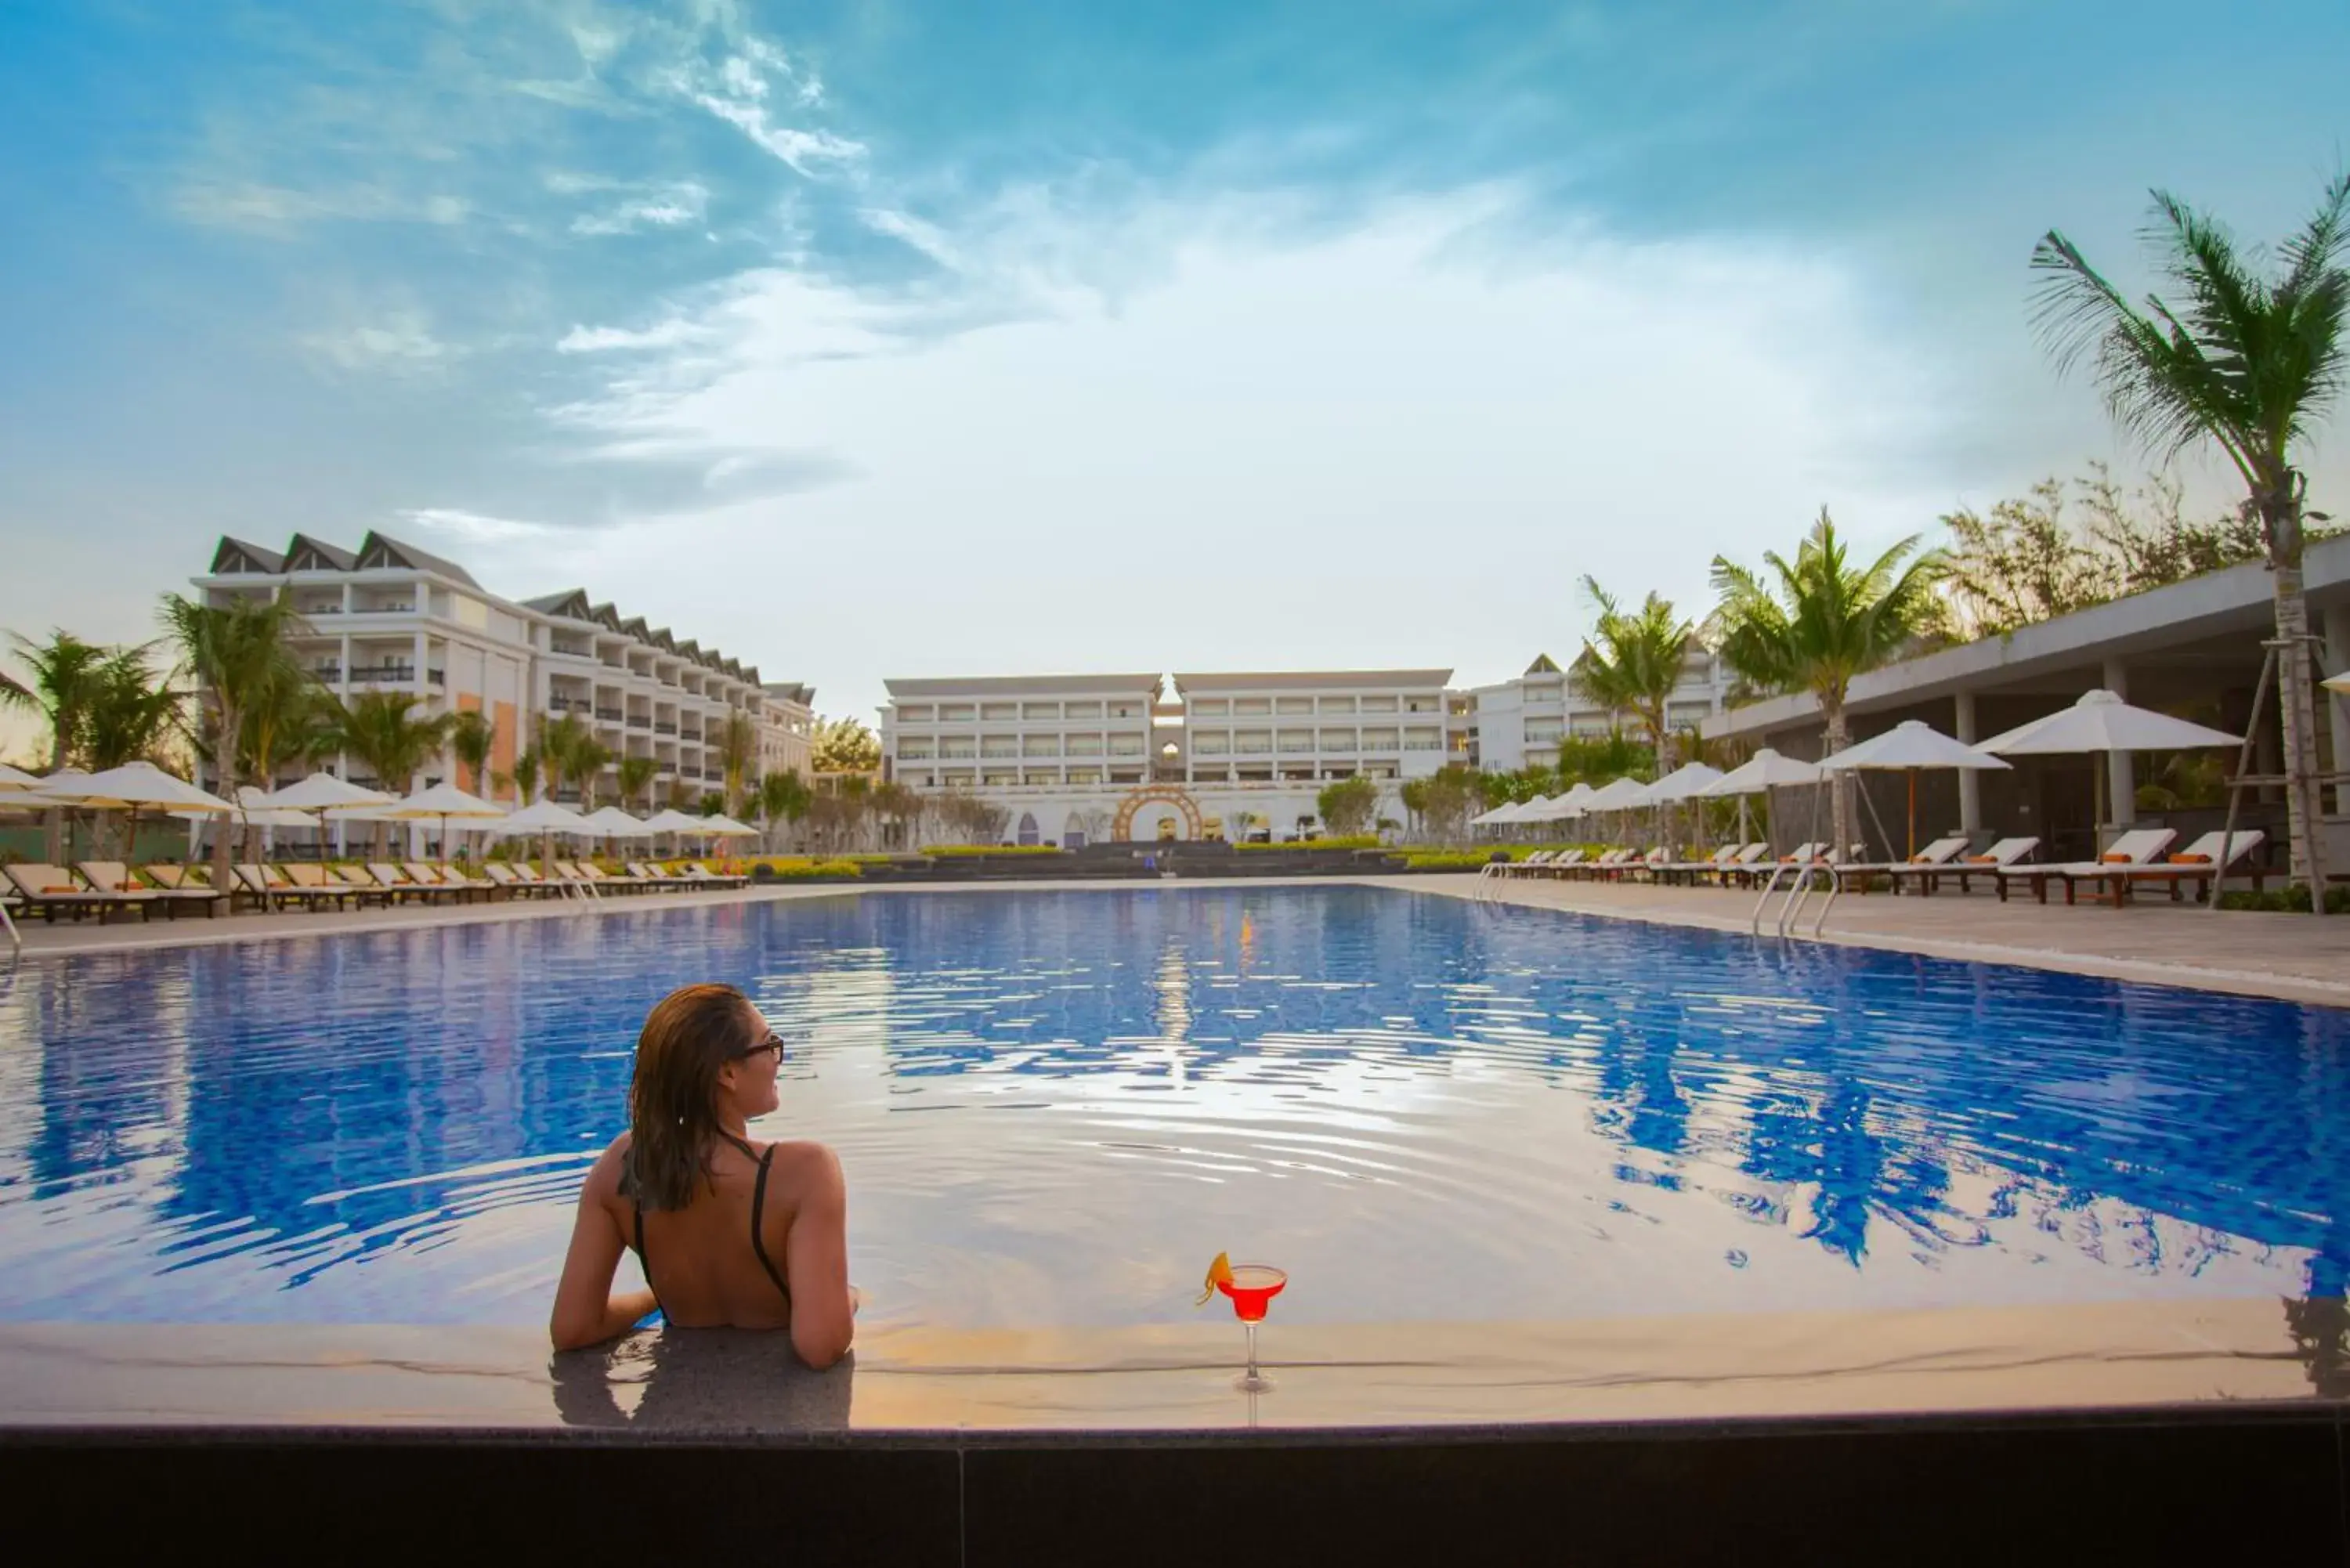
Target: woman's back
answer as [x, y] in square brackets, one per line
[719, 1261]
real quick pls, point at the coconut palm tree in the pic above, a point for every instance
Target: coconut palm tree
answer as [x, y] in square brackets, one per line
[382, 732]
[237, 654]
[1820, 621]
[784, 799]
[1632, 661]
[637, 775]
[472, 739]
[296, 719]
[588, 759]
[63, 671]
[2248, 362]
[738, 746]
[131, 714]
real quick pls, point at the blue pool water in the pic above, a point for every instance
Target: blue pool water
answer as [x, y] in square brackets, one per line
[1053, 1107]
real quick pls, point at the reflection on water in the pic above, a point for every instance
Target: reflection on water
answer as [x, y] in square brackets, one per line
[1054, 1107]
[701, 1380]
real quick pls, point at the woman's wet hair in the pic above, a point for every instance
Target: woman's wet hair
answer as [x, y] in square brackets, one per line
[673, 1098]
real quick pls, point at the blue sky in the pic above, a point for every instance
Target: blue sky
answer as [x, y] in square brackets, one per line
[893, 338]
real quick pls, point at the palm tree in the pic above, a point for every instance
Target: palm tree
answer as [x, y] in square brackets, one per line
[237, 652]
[294, 720]
[738, 745]
[63, 671]
[784, 798]
[1821, 622]
[637, 775]
[131, 714]
[472, 739]
[2247, 362]
[385, 735]
[590, 757]
[523, 780]
[1631, 663]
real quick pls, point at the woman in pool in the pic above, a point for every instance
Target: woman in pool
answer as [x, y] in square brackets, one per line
[730, 1234]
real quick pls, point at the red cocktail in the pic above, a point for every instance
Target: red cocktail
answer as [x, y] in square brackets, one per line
[1251, 1287]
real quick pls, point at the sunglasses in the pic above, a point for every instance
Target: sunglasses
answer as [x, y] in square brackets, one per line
[773, 1043]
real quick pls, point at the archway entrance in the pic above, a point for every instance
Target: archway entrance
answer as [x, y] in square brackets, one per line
[1179, 800]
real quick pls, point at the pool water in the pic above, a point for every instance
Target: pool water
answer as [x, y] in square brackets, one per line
[1055, 1107]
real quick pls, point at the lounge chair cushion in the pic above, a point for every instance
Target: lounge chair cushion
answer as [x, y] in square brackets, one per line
[2191, 860]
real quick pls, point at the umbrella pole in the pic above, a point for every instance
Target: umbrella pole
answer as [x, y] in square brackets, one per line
[1911, 852]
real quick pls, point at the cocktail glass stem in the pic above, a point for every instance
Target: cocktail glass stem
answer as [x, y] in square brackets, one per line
[1252, 1366]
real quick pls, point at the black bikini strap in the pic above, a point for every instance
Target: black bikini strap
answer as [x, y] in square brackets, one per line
[758, 1215]
[644, 1259]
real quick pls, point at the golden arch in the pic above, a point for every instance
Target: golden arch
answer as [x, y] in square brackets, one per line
[1121, 829]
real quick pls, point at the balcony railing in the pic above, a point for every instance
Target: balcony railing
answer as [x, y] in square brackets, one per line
[640, 721]
[660, 729]
[610, 715]
[328, 671]
[567, 705]
[384, 672]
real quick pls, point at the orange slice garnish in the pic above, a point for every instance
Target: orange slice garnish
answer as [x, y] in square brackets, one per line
[1220, 1273]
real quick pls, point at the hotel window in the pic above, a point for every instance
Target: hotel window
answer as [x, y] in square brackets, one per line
[1378, 704]
[956, 746]
[1423, 740]
[913, 751]
[999, 745]
[1293, 705]
[1338, 739]
[956, 778]
[1251, 707]
[1211, 743]
[1211, 707]
[1082, 709]
[1542, 734]
[1126, 709]
[954, 713]
[1296, 739]
[1126, 745]
[1253, 742]
[1085, 745]
[1040, 709]
[999, 778]
[1687, 715]
[991, 711]
[1040, 746]
[1422, 703]
[1085, 775]
[1378, 739]
[916, 713]
[1337, 704]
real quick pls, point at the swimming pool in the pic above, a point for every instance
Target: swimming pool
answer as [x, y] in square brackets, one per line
[1054, 1106]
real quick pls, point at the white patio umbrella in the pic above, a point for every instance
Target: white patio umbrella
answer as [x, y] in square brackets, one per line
[1908, 747]
[1618, 795]
[130, 788]
[2100, 722]
[442, 801]
[546, 819]
[1505, 812]
[1573, 803]
[611, 823]
[724, 826]
[1684, 783]
[323, 792]
[14, 781]
[2337, 682]
[1763, 773]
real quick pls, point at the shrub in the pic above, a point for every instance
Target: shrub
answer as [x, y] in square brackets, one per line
[1445, 859]
[2287, 900]
[1353, 841]
[965, 850]
[800, 869]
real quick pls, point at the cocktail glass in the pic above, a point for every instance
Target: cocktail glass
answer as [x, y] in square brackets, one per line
[1252, 1287]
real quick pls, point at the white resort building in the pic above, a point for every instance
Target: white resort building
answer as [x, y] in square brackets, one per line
[1520, 723]
[1076, 758]
[391, 616]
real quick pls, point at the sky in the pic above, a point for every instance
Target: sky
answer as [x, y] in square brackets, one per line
[888, 338]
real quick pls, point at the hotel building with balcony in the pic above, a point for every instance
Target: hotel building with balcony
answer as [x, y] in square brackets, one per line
[1061, 754]
[390, 616]
[1520, 723]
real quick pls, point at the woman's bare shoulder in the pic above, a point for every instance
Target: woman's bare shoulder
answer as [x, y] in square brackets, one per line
[808, 1165]
[604, 1176]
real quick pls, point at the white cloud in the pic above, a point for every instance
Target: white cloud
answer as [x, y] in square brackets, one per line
[473, 528]
[661, 206]
[1437, 416]
[402, 341]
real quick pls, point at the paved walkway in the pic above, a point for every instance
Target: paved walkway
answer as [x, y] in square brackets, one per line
[2302, 958]
[2297, 957]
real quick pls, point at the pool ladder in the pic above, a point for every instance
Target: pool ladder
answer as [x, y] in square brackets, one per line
[1807, 874]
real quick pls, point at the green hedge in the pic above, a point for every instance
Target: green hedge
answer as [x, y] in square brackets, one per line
[964, 851]
[1445, 859]
[2287, 900]
[1359, 841]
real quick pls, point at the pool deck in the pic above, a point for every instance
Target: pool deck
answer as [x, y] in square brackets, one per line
[2298, 958]
[1179, 1377]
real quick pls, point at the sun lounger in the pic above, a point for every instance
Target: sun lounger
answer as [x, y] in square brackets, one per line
[350, 880]
[51, 889]
[407, 888]
[2201, 863]
[653, 880]
[1964, 868]
[1507, 867]
[1689, 871]
[2134, 848]
[172, 878]
[114, 876]
[1597, 866]
[424, 874]
[1855, 875]
[598, 879]
[509, 876]
[1556, 865]
[569, 873]
[695, 871]
[273, 887]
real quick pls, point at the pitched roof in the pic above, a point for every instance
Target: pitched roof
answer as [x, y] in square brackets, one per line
[382, 549]
[336, 557]
[235, 555]
[571, 604]
[1544, 665]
